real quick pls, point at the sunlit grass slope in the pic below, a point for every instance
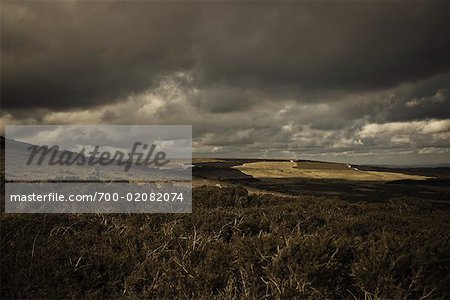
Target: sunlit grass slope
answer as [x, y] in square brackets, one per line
[318, 170]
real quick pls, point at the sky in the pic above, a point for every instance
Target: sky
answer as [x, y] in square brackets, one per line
[173, 140]
[359, 82]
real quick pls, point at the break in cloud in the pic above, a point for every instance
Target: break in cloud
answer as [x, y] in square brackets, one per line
[344, 81]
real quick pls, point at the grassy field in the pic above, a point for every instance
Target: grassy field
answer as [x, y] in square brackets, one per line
[199, 160]
[317, 170]
[233, 245]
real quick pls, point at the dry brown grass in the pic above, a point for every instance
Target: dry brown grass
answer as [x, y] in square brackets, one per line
[205, 160]
[232, 246]
[318, 170]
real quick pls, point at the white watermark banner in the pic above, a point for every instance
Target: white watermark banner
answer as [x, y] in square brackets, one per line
[98, 168]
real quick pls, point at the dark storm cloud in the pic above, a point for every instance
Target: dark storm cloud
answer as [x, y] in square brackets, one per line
[70, 54]
[329, 45]
[348, 81]
[429, 98]
[63, 55]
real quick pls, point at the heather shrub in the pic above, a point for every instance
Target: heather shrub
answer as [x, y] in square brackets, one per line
[233, 245]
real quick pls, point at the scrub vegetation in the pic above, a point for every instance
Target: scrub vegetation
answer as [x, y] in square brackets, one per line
[233, 245]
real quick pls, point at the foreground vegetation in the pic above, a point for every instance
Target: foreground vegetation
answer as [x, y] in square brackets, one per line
[233, 245]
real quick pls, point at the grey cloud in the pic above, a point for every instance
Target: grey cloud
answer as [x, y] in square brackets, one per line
[59, 55]
[321, 45]
[294, 79]
[77, 54]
